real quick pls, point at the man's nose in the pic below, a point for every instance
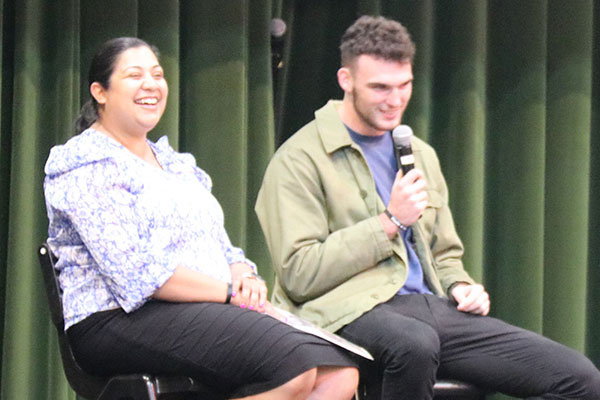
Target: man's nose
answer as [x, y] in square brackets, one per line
[395, 98]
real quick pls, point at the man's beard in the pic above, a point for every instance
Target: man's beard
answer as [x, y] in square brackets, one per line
[369, 119]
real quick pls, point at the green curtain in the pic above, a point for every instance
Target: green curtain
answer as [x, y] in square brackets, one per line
[504, 90]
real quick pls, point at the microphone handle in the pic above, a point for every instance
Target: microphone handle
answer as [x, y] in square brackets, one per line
[404, 158]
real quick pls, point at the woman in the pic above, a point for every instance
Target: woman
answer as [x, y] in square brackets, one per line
[151, 281]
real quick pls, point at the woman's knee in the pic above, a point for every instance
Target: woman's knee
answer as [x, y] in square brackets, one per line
[336, 382]
[299, 387]
[350, 376]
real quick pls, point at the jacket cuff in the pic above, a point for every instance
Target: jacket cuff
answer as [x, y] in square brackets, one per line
[449, 290]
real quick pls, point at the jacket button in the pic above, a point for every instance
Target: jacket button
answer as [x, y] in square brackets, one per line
[375, 296]
[363, 193]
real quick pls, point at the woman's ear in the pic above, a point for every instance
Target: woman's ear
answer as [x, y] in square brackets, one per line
[344, 77]
[97, 92]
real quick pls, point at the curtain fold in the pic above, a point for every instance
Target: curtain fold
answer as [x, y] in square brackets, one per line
[506, 91]
[459, 118]
[515, 135]
[593, 298]
[567, 180]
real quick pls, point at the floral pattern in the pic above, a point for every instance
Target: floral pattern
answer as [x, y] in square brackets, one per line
[120, 226]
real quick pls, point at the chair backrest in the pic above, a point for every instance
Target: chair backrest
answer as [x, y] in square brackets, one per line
[84, 384]
[132, 386]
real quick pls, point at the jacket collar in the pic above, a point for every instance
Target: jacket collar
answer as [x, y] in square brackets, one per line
[334, 134]
[331, 129]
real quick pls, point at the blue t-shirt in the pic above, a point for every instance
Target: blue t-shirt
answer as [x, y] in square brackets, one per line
[379, 152]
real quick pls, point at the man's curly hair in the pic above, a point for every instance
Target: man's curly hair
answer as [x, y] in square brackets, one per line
[379, 37]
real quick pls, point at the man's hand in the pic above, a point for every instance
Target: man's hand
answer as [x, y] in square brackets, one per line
[471, 298]
[409, 197]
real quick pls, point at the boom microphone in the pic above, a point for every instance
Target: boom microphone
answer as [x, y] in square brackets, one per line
[404, 155]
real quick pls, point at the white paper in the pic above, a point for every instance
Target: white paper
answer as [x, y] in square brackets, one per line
[308, 327]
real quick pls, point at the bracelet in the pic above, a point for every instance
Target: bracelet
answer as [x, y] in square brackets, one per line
[395, 221]
[229, 289]
[251, 275]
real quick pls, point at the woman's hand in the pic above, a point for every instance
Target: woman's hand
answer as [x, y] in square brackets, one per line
[248, 290]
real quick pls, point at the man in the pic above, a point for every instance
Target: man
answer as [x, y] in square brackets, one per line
[372, 254]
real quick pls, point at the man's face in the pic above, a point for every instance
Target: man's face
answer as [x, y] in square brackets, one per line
[377, 93]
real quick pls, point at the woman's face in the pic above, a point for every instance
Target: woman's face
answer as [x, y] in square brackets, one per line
[137, 94]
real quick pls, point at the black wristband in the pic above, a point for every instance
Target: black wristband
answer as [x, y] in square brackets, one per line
[395, 221]
[229, 289]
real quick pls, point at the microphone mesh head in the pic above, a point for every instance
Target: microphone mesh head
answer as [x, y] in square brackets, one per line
[401, 135]
[278, 27]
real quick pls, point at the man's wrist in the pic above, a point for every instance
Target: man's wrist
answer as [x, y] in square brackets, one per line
[451, 288]
[395, 220]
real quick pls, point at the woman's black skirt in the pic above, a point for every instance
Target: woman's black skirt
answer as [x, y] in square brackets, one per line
[234, 351]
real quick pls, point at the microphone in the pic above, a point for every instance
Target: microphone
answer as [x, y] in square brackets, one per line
[278, 30]
[404, 155]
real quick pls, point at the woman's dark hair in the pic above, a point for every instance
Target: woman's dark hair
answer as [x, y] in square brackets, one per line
[101, 69]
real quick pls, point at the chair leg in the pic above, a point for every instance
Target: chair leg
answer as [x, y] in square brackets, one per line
[129, 389]
[151, 388]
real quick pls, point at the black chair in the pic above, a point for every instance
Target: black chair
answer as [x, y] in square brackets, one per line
[455, 390]
[444, 389]
[140, 386]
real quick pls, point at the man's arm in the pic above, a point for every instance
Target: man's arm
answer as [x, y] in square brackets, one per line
[314, 242]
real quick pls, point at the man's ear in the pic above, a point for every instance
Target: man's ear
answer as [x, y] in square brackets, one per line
[97, 92]
[344, 77]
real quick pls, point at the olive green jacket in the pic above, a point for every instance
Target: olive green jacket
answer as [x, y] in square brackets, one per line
[318, 208]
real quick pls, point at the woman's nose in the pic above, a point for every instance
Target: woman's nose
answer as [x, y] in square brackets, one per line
[149, 82]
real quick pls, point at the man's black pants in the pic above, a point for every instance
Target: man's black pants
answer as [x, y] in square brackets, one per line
[415, 338]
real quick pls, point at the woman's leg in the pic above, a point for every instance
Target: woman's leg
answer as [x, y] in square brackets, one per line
[335, 383]
[235, 352]
[321, 383]
[299, 388]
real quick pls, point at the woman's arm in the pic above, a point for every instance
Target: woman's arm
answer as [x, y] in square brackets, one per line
[186, 285]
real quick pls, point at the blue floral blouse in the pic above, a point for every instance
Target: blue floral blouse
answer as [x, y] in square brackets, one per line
[120, 226]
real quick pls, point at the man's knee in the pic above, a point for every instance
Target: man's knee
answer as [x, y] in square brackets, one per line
[417, 345]
[585, 381]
